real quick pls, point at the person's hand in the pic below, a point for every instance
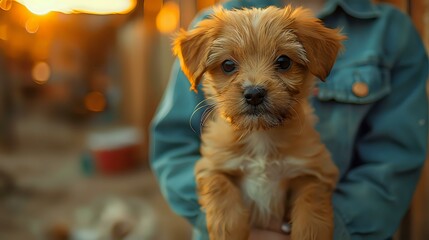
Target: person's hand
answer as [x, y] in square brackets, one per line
[276, 231]
[260, 234]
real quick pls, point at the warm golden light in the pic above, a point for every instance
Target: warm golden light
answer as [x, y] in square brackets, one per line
[3, 32]
[167, 19]
[95, 101]
[41, 72]
[41, 7]
[32, 25]
[153, 5]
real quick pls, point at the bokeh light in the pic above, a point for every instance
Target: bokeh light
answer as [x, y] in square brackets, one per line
[41, 73]
[32, 25]
[167, 19]
[95, 101]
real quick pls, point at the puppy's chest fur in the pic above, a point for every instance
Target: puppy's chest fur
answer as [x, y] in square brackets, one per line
[263, 182]
[262, 172]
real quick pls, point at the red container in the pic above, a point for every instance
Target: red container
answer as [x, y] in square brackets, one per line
[115, 151]
[112, 161]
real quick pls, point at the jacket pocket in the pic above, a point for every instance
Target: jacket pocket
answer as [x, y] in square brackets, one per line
[358, 84]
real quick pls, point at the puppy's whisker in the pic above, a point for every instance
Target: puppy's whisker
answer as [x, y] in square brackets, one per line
[198, 107]
[206, 115]
[192, 116]
[203, 101]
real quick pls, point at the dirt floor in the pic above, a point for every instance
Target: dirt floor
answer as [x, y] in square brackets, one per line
[52, 196]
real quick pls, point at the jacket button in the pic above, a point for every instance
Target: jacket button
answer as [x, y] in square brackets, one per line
[360, 89]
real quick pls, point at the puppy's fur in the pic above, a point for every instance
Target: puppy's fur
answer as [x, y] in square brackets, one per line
[261, 162]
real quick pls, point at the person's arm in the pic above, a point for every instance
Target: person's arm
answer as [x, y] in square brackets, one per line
[175, 148]
[391, 147]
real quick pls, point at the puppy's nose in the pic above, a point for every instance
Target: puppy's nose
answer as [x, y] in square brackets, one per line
[254, 95]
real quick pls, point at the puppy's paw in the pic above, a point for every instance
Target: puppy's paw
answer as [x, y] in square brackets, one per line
[311, 232]
[231, 223]
[226, 215]
[312, 213]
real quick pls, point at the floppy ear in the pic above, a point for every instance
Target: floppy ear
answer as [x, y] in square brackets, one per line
[321, 44]
[192, 49]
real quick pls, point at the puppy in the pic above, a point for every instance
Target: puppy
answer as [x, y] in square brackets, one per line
[262, 160]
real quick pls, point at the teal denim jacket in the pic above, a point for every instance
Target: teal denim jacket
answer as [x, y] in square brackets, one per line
[377, 137]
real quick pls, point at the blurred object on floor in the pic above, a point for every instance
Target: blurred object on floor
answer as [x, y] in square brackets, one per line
[115, 150]
[115, 218]
[58, 231]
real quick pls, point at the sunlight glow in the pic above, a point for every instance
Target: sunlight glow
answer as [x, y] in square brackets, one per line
[167, 19]
[42, 7]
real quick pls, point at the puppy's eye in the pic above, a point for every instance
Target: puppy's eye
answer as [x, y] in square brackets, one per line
[283, 63]
[229, 66]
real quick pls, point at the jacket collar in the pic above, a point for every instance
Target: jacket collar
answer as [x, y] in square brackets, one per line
[254, 3]
[363, 9]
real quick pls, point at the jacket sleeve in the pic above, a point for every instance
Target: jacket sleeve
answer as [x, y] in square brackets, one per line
[175, 147]
[390, 149]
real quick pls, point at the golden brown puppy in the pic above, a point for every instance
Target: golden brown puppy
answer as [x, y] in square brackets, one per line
[262, 159]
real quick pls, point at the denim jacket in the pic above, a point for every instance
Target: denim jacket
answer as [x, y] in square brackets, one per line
[372, 111]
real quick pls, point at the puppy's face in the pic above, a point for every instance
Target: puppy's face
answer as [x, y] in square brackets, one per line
[257, 64]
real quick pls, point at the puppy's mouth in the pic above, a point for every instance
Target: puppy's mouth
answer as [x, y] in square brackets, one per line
[259, 117]
[255, 111]
[264, 112]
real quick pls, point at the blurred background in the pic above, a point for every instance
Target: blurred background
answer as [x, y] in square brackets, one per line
[80, 81]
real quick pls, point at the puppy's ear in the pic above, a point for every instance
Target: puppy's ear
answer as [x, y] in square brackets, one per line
[192, 49]
[321, 44]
